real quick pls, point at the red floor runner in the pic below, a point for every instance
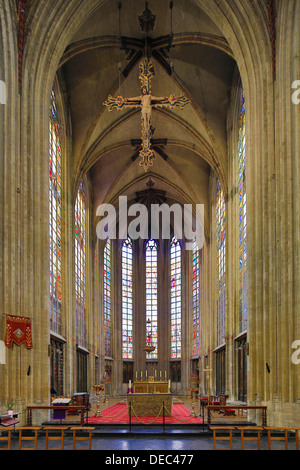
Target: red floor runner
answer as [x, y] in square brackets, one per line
[119, 414]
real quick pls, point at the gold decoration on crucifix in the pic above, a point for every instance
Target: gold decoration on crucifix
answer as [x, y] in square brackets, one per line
[146, 101]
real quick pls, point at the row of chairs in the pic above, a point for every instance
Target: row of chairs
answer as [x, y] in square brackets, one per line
[30, 433]
[273, 433]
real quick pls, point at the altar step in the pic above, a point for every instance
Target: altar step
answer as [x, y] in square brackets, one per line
[115, 430]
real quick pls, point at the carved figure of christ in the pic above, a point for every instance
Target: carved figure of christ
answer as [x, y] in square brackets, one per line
[145, 100]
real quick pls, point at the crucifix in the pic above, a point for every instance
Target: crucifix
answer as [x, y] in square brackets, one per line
[146, 102]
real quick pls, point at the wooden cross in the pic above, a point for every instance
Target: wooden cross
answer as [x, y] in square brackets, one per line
[208, 370]
[146, 102]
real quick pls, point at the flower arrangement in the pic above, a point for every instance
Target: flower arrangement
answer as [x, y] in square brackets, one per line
[60, 397]
[9, 405]
[98, 388]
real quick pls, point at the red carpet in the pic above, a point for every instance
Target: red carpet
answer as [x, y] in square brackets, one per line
[119, 414]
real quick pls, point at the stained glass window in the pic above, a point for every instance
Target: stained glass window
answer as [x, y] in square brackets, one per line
[55, 217]
[195, 281]
[221, 264]
[151, 296]
[242, 219]
[127, 320]
[107, 298]
[175, 255]
[80, 263]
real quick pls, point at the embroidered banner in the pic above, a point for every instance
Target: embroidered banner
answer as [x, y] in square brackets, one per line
[18, 329]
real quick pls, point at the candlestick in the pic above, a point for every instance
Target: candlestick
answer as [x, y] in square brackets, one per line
[98, 388]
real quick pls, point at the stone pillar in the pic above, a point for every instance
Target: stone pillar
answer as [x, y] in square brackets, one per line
[285, 374]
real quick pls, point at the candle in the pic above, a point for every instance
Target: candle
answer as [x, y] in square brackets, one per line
[160, 373]
[136, 374]
[169, 385]
[165, 374]
[155, 373]
[129, 384]
[141, 374]
[146, 374]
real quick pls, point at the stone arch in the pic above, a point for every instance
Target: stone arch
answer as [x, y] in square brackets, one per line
[51, 28]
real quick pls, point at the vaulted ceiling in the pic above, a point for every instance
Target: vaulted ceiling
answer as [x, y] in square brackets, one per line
[103, 58]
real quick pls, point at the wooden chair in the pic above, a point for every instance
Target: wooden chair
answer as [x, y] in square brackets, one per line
[88, 438]
[204, 401]
[6, 438]
[225, 411]
[222, 438]
[271, 437]
[222, 400]
[60, 430]
[256, 438]
[22, 438]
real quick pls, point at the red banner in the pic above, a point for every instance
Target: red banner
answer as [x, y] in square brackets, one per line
[18, 330]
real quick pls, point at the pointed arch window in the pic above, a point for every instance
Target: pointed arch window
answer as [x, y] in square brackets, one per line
[151, 296]
[242, 218]
[55, 281]
[107, 298]
[80, 266]
[127, 309]
[196, 307]
[221, 264]
[175, 257]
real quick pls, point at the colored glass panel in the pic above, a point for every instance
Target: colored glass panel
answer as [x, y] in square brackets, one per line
[127, 317]
[107, 298]
[242, 218]
[151, 297]
[175, 255]
[221, 264]
[80, 266]
[55, 282]
[196, 308]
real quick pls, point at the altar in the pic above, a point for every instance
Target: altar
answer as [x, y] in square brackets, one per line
[151, 386]
[150, 404]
